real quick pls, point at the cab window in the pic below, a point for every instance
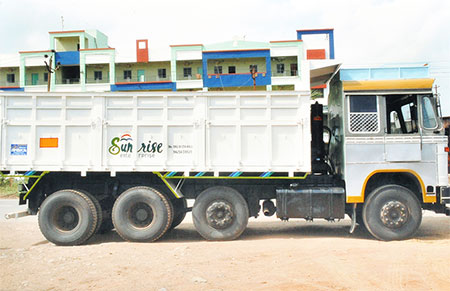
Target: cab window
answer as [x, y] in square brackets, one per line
[401, 114]
[428, 115]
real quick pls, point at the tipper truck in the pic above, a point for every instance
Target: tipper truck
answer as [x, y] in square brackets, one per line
[92, 162]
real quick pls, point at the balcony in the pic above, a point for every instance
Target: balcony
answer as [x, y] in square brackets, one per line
[6, 84]
[237, 80]
[182, 77]
[103, 80]
[144, 82]
[147, 78]
[35, 82]
[67, 81]
[286, 73]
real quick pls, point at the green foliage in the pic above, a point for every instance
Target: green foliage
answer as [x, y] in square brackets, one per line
[9, 187]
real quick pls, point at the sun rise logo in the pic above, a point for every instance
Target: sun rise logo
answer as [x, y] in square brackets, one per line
[124, 145]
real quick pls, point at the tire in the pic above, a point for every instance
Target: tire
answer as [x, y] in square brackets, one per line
[179, 206]
[67, 217]
[220, 213]
[98, 207]
[142, 214]
[392, 212]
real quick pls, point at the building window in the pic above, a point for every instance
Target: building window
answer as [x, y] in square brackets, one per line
[127, 75]
[187, 72]
[280, 68]
[11, 78]
[162, 73]
[98, 75]
[253, 67]
[217, 69]
[142, 45]
[232, 70]
[45, 77]
[293, 69]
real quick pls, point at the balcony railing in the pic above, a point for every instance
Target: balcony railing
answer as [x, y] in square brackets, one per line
[236, 80]
[32, 82]
[142, 79]
[286, 73]
[182, 77]
[67, 81]
[9, 84]
[103, 80]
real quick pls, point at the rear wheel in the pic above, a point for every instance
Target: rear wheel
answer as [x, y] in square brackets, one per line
[98, 207]
[220, 213]
[392, 212]
[142, 214]
[67, 217]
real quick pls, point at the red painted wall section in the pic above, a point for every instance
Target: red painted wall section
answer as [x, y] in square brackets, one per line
[323, 86]
[142, 50]
[317, 54]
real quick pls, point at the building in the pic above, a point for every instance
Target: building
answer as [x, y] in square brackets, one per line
[83, 61]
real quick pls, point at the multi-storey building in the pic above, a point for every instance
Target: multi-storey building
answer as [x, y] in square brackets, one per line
[81, 60]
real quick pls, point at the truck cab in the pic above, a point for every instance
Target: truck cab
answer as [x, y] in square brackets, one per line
[389, 146]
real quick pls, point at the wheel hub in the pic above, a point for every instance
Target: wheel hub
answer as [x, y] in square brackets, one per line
[66, 218]
[141, 215]
[394, 214]
[219, 215]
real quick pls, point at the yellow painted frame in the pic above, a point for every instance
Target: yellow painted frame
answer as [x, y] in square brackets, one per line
[360, 199]
[402, 84]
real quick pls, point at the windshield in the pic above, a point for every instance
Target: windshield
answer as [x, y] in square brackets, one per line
[428, 113]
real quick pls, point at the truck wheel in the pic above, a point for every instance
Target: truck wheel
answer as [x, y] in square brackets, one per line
[220, 213]
[392, 212]
[67, 217]
[98, 207]
[142, 214]
[179, 206]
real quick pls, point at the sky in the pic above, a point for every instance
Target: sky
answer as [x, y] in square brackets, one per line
[366, 31]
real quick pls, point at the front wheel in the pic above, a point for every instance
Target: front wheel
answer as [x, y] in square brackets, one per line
[392, 212]
[220, 213]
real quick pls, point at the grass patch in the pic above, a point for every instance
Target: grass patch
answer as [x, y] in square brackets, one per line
[9, 188]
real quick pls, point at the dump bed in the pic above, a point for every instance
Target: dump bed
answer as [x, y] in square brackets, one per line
[163, 131]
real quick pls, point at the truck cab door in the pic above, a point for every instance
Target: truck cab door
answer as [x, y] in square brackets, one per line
[403, 139]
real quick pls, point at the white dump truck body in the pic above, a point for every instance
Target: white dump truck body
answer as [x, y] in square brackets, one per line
[163, 131]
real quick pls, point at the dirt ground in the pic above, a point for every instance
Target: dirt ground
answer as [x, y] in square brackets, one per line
[271, 254]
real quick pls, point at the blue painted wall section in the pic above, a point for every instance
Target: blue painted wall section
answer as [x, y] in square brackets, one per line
[68, 58]
[329, 32]
[12, 89]
[144, 86]
[236, 80]
[384, 73]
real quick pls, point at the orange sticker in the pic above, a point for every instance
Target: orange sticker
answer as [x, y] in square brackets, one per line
[48, 142]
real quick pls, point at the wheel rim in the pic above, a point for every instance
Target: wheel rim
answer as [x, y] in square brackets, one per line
[394, 214]
[66, 218]
[219, 214]
[140, 215]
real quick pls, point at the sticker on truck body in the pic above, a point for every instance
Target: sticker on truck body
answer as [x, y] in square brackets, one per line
[19, 149]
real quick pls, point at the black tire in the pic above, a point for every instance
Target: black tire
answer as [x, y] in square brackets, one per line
[67, 217]
[179, 207]
[142, 214]
[220, 213]
[392, 212]
[98, 207]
